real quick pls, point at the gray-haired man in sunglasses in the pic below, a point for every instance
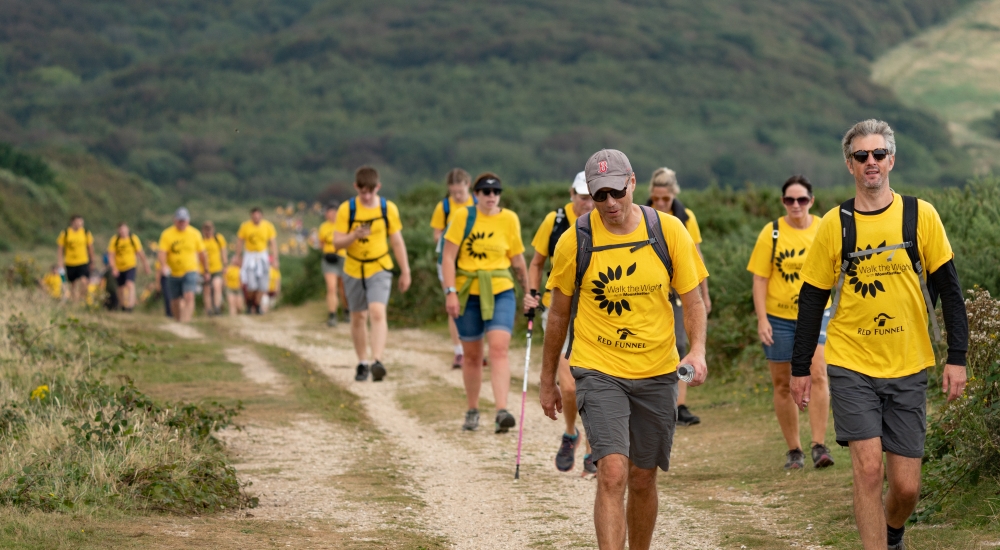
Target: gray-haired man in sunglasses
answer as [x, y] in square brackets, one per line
[878, 348]
[610, 283]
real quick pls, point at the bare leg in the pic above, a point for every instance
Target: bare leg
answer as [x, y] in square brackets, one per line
[567, 387]
[869, 514]
[175, 307]
[188, 304]
[217, 292]
[819, 398]
[453, 331]
[332, 297]
[379, 328]
[472, 371]
[122, 296]
[359, 333]
[641, 507]
[784, 407]
[609, 504]
[499, 341]
[233, 300]
[206, 298]
[904, 488]
[682, 393]
[130, 294]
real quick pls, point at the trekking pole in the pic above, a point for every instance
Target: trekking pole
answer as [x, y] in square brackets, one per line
[524, 388]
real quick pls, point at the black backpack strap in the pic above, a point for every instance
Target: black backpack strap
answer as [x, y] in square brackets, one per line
[848, 242]
[910, 217]
[678, 210]
[584, 253]
[352, 208]
[774, 239]
[654, 231]
[559, 226]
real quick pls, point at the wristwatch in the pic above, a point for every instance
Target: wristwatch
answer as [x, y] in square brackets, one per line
[449, 290]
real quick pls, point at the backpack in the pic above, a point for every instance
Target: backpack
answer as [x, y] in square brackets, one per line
[559, 226]
[86, 234]
[352, 206]
[131, 239]
[446, 208]
[585, 250]
[849, 241]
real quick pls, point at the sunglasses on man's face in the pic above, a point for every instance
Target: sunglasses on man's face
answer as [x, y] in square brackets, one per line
[792, 200]
[862, 156]
[491, 191]
[602, 195]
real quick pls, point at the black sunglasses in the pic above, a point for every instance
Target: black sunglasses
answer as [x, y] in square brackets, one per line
[792, 200]
[490, 191]
[862, 156]
[602, 195]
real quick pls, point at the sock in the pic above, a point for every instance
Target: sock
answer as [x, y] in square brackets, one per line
[895, 535]
[332, 314]
[458, 350]
[572, 436]
[366, 363]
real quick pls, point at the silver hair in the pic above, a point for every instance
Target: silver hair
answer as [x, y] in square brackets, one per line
[665, 177]
[869, 127]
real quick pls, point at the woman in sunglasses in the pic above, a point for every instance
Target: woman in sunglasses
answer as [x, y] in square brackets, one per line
[482, 245]
[777, 258]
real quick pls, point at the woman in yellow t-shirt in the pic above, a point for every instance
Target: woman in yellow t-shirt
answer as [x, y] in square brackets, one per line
[218, 257]
[332, 264]
[458, 182]
[776, 261]
[123, 250]
[479, 291]
[234, 288]
[663, 191]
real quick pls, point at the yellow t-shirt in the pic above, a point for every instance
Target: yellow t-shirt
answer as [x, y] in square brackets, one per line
[213, 249]
[53, 284]
[256, 236]
[789, 256]
[373, 250]
[540, 242]
[75, 243]
[625, 325]
[325, 233]
[125, 251]
[232, 276]
[692, 226]
[274, 278]
[182, 249]
[437, 218]
[494, 240]
[880, 327]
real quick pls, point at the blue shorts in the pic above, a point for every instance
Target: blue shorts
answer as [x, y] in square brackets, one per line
[125, 276]
[472, 327]
[783, 334]
[178, 286]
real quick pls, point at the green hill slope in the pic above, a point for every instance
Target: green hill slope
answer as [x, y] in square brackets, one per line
[252, 97]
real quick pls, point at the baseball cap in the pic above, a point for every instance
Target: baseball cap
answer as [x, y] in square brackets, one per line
[487, 181]
[580, 184]
[182, 214]
[607, 168]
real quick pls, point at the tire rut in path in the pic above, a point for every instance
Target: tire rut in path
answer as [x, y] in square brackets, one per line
[466, 479]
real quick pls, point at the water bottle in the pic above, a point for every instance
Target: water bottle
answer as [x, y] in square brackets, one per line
[686, 372]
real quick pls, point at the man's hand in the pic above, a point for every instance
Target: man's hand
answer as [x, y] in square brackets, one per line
[550, 398]
[764, 332]
[708, 303]
[362, 231]
[114, 271]
[404, 281]
[700, 368]
[451, 305]
[953, 382]
[801, 387]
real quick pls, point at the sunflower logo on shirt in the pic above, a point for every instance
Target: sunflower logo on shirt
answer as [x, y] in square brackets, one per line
[477, 252]
[603, 292]
[856, 272]
[789, 270]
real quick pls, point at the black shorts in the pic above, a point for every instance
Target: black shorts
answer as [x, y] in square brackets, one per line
[74, 272]
[125, 276]
[893, 409]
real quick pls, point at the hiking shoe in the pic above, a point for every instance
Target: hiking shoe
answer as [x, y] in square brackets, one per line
[796, 460]
[331, 320]
[567, 452]
[362, 373]
[589, 467]
[900, 546]
[471, 420]
[685, 418]
[378, 371]
[457, 362]
[504, 421]
[821, 456]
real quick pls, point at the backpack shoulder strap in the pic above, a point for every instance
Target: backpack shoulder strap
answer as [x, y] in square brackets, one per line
[910, 232]
[774, 238]
[559, 226]
[584, 253]
[218, 242]
[116, 242]
[385, 213]
[677, 208]
[469, 222]
[654, 230]
[848, 242]
[352, 208]
[446, 207]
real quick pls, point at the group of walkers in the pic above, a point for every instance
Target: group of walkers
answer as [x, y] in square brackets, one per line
[187, 262]
[625, 303]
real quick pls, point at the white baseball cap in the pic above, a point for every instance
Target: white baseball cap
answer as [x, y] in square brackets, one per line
[580, 184]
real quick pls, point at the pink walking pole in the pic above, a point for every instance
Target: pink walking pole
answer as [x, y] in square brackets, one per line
[524, 389]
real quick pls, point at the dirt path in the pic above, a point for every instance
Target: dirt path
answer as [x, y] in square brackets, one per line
[466, 479]
[180, 330]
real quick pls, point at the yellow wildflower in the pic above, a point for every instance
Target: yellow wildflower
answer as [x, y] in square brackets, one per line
[39, 393]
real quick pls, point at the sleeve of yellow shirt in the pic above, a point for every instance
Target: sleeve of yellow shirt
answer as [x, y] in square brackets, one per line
[563, 275]
[111, 244]
[823, 259]
[689, 270]
[165, 240]
[931, 238]
[242, 232]
[541, 240]
[515, 242]
[200, 240]
[760, 259]
[272, 233]
[343, 215]
[61, 239]
[437, 218]
[222, 242]
[692, 227]
[392, 212]
[456, 225]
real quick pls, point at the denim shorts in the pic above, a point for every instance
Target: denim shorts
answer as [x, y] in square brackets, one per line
[472, 327]
[178, 286]
[783, 334]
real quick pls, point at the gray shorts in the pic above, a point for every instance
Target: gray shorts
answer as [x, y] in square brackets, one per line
[178, 286]
[373, 289]
[545, 323]
[635, 418]
[336, 268]
[894, 409]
